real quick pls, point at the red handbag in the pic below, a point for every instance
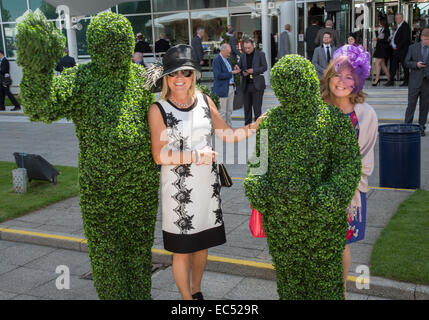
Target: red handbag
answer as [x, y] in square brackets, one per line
[255, 224]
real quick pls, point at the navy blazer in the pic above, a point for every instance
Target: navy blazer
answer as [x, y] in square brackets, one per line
[221, 77]
[259, 65]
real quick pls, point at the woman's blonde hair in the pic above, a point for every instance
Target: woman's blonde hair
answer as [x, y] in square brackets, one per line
[166, 92]
[325, 92]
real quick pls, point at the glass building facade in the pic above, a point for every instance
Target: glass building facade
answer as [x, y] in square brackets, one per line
[178, 20]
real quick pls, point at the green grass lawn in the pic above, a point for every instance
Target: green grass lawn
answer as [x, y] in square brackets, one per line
[402, 250]
[39, 193]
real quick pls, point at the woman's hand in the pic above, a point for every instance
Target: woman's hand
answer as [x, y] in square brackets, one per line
[206, 155]
[255, 125]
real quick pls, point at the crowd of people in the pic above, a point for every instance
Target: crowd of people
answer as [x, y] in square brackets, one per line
[389, 47]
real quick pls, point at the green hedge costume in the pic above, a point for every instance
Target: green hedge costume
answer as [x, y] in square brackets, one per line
[314, 167]
[117, 175]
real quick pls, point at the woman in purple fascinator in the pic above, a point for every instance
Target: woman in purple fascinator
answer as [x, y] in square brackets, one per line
[341, 86]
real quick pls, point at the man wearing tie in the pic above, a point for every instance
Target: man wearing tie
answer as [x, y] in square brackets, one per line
[400, 42]
[417, 60]
[323, 54]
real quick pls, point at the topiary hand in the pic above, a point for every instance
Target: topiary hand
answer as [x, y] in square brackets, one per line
[39, 44]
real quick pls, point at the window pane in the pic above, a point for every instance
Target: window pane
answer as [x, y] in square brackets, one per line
[9, 38]
[244, 3]
[82, 50]
[12, 9]
[175, 27]
[169, 5]
[201, 4]
[134, 7]
[212, 21]
[142, 24]
[245, 27]
[48, 10]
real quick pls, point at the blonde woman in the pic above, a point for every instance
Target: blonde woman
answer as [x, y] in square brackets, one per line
[341, 86]
[182, 123]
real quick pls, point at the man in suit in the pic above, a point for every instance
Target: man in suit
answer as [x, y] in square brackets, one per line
[233, 43]
[284, 42]
[323, 54]
[329, 27]
[252, 64]
[401, 40]
[65, 62]
[141, 45]
[162, 45]
[224, 84]
[310, 36]
[4, 87]
[197, 45]
[417, 59]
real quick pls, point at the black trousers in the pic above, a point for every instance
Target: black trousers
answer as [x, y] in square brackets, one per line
[398, 59]
[4, 91]
[252, 101]
[413, 95]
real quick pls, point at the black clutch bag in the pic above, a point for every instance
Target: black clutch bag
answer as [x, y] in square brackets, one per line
[225, 179]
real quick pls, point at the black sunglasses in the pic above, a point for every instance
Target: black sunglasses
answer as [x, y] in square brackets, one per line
[185, 73]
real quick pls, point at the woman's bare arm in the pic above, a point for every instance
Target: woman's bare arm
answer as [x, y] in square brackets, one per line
[225, 132]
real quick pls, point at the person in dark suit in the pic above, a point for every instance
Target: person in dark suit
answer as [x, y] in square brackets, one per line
[329, 27]
[417, 59]
[197, 46]
[252, 64]
[310, 36]
[162, 45]
[65, 62]
[400, 42]
[323, 55]
[4, 87]
[141, 45]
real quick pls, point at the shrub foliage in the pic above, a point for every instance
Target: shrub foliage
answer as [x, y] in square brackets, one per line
[117, 175]
[314, 167]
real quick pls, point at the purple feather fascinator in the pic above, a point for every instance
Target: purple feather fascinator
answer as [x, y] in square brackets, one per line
[357, 59]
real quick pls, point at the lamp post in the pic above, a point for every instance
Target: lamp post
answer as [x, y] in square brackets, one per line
[266, 38]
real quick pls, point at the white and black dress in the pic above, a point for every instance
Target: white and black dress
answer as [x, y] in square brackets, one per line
[191, 206]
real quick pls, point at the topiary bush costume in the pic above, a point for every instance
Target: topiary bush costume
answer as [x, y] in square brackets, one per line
[117, 175]
[314, 167]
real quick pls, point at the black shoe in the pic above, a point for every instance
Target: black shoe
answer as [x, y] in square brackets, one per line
[404, 84]
[374, 84]
[198, 296]
[389, 84]
[16, 109]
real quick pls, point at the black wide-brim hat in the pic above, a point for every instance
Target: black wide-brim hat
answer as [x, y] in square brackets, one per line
[177, 58]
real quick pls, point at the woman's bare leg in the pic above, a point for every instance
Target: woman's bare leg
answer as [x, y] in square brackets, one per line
[385, 70]
[199, 260]
[181, 273]
[347, 261]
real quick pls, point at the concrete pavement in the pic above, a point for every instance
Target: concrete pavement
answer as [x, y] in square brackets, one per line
[240, 269]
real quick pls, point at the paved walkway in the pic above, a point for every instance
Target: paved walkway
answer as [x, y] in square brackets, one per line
[239, 269]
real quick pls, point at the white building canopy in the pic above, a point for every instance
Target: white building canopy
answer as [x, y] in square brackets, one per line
[85, 7]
